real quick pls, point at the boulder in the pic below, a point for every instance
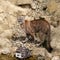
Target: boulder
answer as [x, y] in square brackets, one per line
[52, 6]
[56, 58]
[55, 36]
[5, 46]
[8, 19]
[19, 2]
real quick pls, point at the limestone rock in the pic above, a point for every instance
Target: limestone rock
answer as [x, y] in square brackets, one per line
[7, 34]
[42, 1]
[8, 19]
[24, 2]
[56, 58]
[22, 52]
[13, 1]
[55, 43]
[57, 13]
[5, 51]
[9, 25]
[4, 42]
[5, 46]
[52, 6]
[37, 50]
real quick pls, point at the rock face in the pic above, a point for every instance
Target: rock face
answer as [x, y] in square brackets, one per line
[10, 10]
[5, 46]
[55, 43]
[22, 52]
[8, 22]
[56, 58]
[17, 2]
[51, 8]
[24, 2]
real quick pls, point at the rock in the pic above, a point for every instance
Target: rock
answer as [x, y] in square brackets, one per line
[5, 46]
[8, 19]
[37, 50]
[41, 1]
[13, 1]
[10, 9]
[19, 2]
[33, 5]
[52, 6]
[29, 9]
[55, 43]
[6, 34]
[55, 55]
[41, 51]
[5, 51]
[39, 57]
[8, 24]
[1, 29]
[57, 12]
[22, 52]
[56, 58]
[5, 42]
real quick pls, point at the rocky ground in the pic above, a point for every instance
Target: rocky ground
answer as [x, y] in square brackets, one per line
[12, 10]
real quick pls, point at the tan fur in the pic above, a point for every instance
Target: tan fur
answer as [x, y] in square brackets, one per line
[38, 28]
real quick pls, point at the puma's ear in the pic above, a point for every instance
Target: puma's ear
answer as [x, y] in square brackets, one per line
[26, 21]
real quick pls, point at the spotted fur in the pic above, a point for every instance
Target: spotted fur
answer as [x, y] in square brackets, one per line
[39, 28]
